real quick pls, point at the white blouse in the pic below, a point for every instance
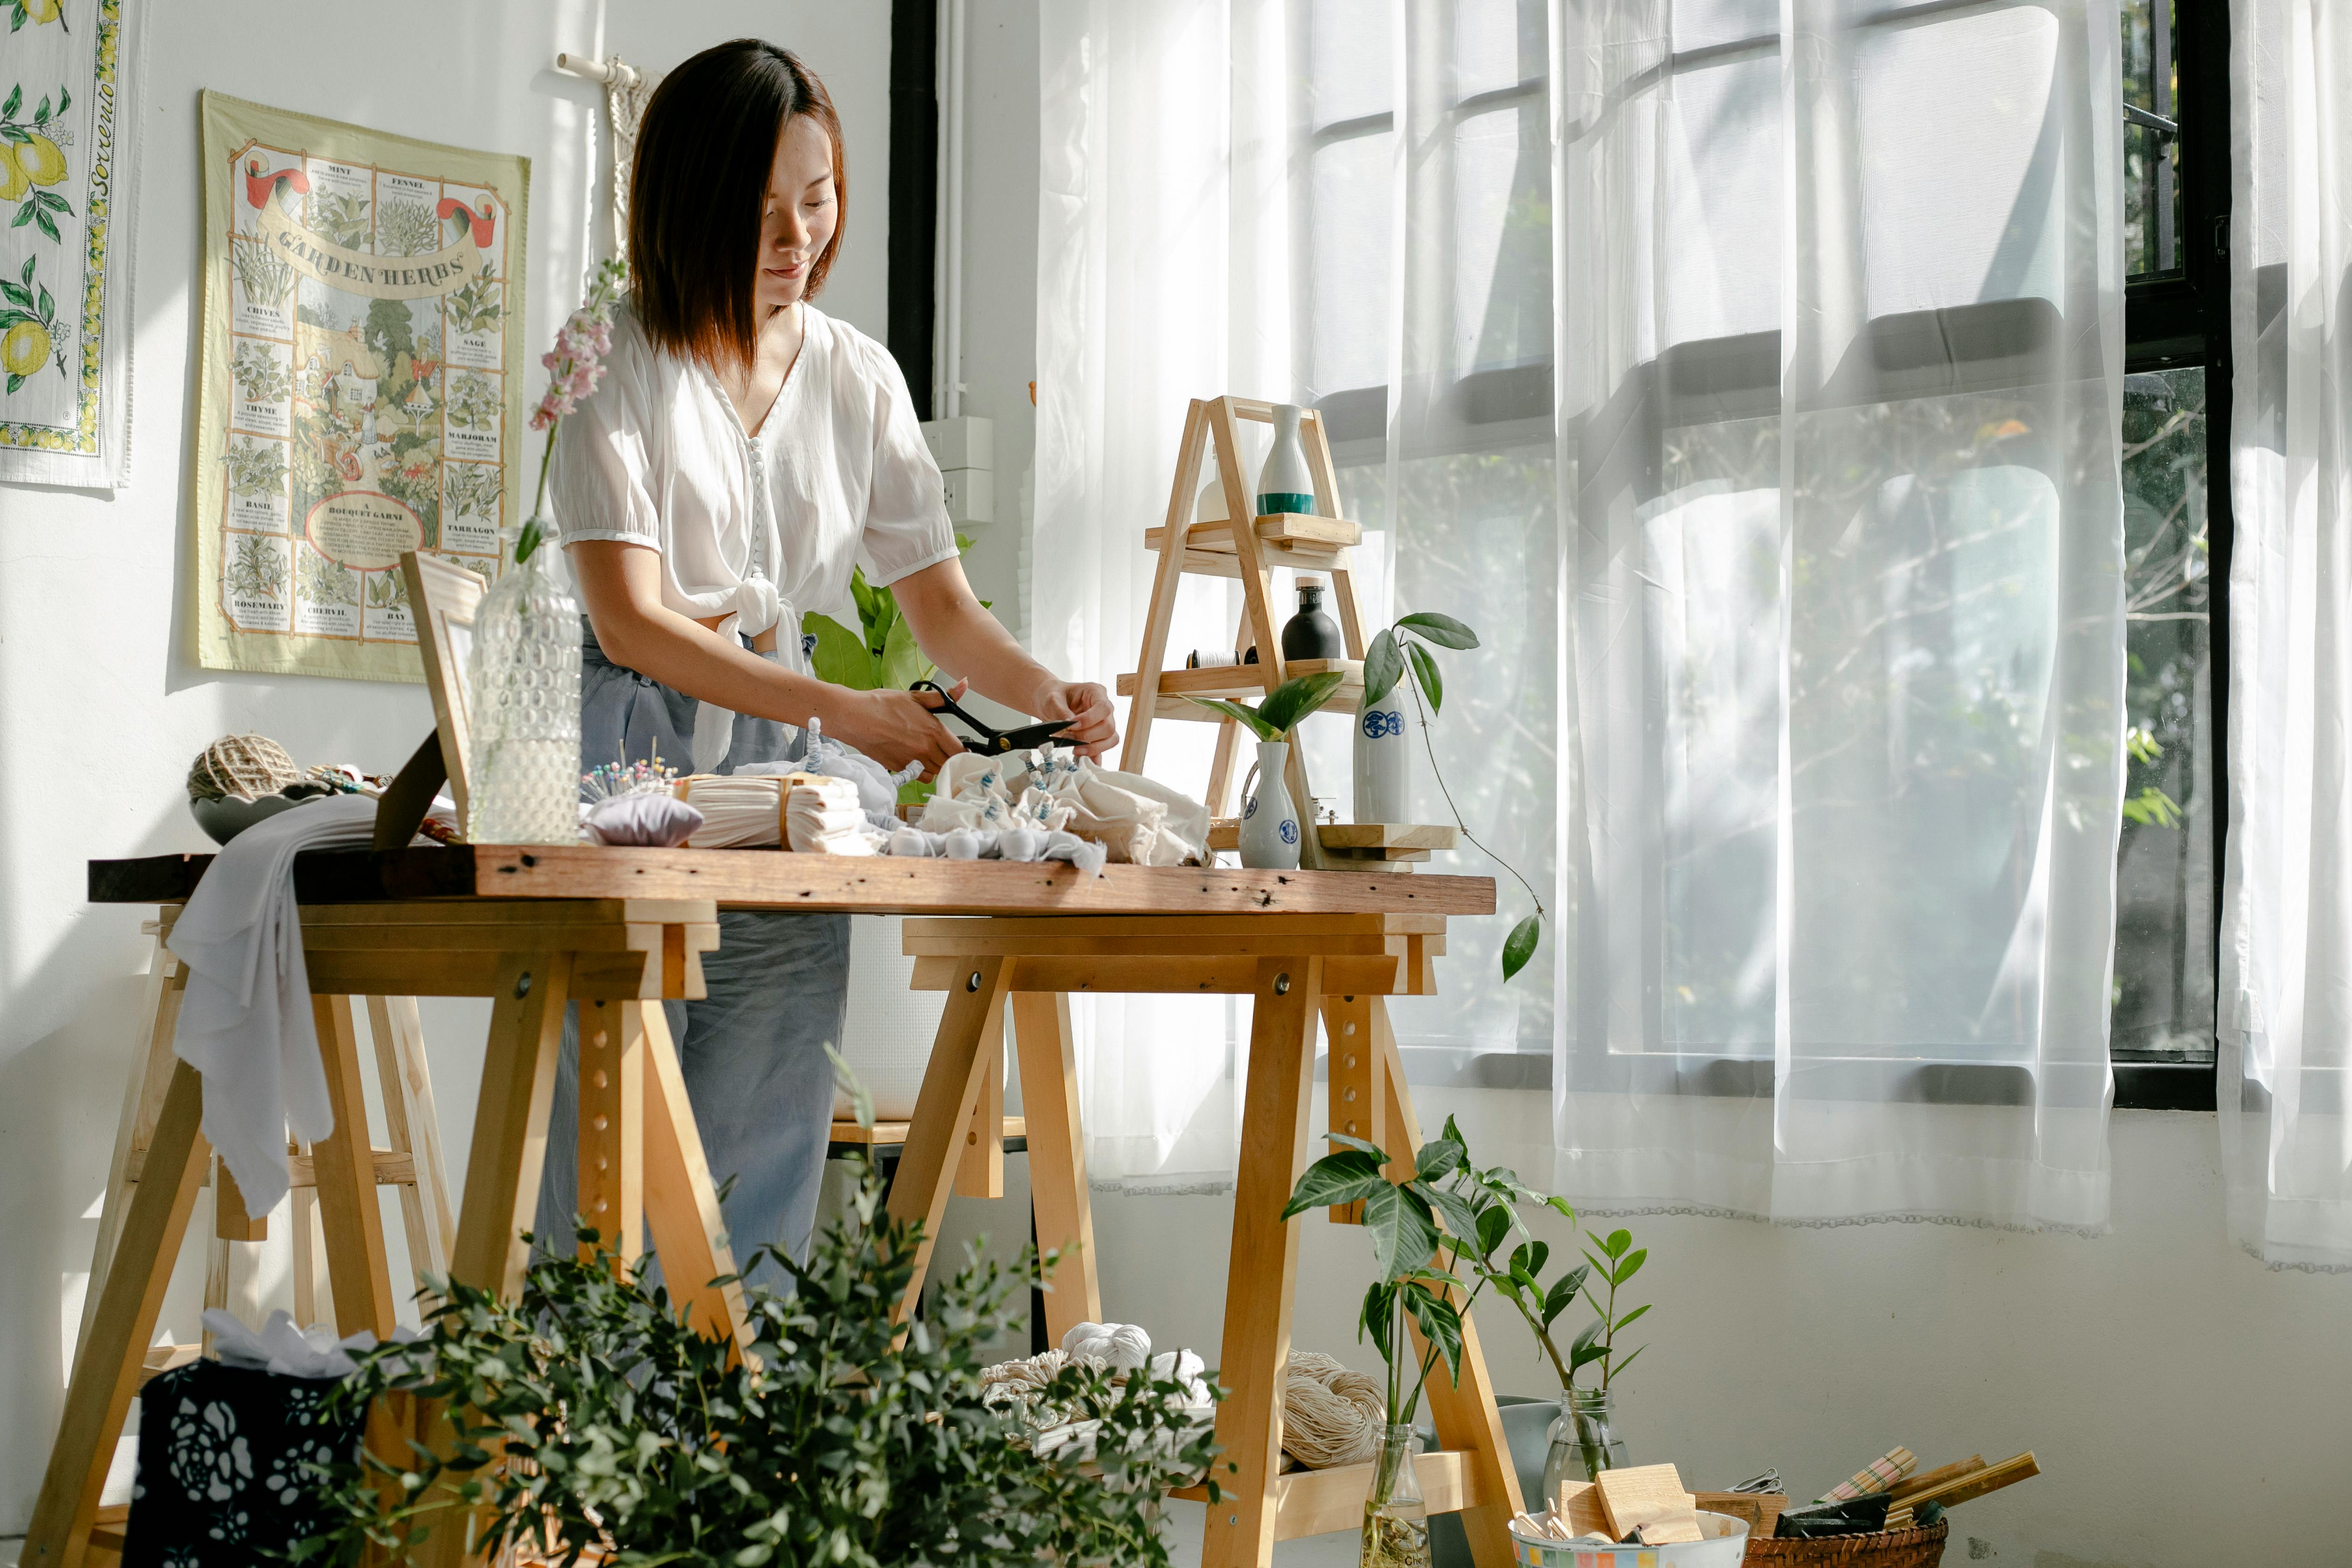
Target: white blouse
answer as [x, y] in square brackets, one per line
[758, 529]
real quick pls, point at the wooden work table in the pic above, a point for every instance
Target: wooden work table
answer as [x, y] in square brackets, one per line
[534, 927]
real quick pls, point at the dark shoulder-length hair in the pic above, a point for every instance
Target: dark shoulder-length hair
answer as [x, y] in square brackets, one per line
[705, 151]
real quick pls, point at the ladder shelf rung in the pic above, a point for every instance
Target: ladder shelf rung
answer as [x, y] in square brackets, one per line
[1246, 682]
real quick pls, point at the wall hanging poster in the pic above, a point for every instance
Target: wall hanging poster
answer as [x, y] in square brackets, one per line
[362, 393]
[68, 191]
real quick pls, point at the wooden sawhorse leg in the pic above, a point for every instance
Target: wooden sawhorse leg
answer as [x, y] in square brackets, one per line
[1058, 1158]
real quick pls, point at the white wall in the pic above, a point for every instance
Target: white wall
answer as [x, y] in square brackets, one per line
[98, 705]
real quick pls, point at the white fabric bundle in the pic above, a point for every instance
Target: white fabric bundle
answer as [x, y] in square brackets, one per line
[244, 1021]
[643, 818]
[1000, 844]
[739, 812]
[281, 1346]
[877, 788]
[1138, 820]
[822, 816]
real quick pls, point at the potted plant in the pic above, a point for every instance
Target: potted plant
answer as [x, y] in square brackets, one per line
[1382, 786]
[591, 1419]
[1271, 836]
[1584, 1441]
[1435, 1232]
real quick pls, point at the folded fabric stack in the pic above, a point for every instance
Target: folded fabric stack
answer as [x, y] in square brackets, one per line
[739, 812]
[1012, 843]
[822, 816]
[877, 787]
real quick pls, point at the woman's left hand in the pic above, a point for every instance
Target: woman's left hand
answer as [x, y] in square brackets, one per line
[1089, 705]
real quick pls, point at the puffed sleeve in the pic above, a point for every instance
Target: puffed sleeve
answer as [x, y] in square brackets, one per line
[907, 526]
[598, 476]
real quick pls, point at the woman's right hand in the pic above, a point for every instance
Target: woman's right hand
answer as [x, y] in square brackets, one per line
[895, 728]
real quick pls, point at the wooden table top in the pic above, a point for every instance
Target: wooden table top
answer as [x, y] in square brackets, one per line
[768, 879]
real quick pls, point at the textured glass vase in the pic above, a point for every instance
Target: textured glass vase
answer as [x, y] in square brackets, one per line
[522, 698]
[1584, 1440]
[1396, 1519]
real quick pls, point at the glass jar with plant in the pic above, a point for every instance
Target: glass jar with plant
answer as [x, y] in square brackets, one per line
[1272, 838]
[595, 1424]
[1429, 1276]
[1584, 1440]
[1382, 786]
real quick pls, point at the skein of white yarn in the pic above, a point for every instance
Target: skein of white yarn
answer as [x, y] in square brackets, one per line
[1331, 1415]
[1125, 1347]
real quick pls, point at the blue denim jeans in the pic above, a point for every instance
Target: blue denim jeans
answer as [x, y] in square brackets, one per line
[752, 1050]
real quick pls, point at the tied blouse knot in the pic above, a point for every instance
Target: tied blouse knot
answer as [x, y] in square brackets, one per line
[757, 528]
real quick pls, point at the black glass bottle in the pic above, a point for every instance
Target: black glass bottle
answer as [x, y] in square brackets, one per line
[1311, 634]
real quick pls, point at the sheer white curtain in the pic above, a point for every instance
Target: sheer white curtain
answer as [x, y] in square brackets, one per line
[1840, 347]
[2287, 951]
[1748, 374]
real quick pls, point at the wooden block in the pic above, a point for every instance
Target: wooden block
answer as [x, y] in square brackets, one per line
[230, 1221]
[1577, 1505]
[1926, 1480]
[1672, 1529]
[1639, 1494]
[1761, 1510]
[1992, 1479]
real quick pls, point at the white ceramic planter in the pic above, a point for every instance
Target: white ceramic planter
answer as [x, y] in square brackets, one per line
[1383, 762]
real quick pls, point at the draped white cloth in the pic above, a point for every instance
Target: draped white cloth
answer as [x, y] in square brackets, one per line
[2286, 948]
[1748, 374]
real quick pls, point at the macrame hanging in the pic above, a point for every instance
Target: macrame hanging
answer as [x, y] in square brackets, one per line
[625, 92]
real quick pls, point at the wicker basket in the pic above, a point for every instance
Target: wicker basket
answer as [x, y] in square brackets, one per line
[1919, 1548]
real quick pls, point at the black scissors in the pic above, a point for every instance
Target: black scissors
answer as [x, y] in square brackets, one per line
[993, 742]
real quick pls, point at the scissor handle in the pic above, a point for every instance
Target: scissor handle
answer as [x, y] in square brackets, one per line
[947, 705]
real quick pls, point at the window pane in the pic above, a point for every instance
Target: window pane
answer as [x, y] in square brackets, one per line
[2151, 158]
[1348, 60]
[1497, 44]
[1502, 240]
[1348, 244]
[2164, 873]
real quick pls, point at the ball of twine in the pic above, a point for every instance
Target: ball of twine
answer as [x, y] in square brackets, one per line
[1330, 1416]
[244, 766]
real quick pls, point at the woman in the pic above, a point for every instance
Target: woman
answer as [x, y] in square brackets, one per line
[743, 453]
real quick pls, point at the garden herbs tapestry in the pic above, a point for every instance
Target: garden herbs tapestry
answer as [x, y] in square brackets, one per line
[361, 393]
[66, 196]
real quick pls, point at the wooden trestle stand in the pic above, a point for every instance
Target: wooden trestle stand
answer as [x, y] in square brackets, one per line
[617, 930]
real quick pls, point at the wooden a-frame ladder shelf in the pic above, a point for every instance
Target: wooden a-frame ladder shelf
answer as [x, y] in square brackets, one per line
[1252, 555]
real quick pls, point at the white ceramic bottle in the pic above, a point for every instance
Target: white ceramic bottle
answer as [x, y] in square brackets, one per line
[1283, 484]
[1383, 761]
[1269, 835]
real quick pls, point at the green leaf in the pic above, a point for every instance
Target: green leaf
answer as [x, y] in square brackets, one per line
[24, 215]
[41, 115]
[1563, 1291]
[15, 100]
[1383, 668]
[1583, 1353]
[1532, 1256]
[1518, 948]
[45, 223]
[1378, 1314]
[1437, 1159]
[15, 381]
[1562, 1206]
[1349, 1176]
[1618, 1241]
[1426, 675]
[65, 101]
[49, 306]
[1345, 1141]
[27, 274]
[839, 656]
[862, 595]
[1443, 630]
[526, 542]
[18, 20]
[903, 663]
[1440, 1324]
[1404, 1238]
[1460, 1219]
[1630, 1265]
[15, 294]
[1621, 1365]
[1628, 1317]
[53, 202]
[1493, 1225]
[1246, 715]
[1295, 699]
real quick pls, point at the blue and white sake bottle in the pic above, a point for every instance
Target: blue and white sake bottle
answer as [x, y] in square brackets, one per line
[1269, 833]
[1383, 761]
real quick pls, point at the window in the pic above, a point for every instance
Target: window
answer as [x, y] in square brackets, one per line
[1478, 464]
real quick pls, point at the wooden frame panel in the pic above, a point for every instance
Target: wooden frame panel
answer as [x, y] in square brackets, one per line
[443, 597]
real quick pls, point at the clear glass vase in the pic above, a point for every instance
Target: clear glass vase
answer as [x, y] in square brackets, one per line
[1396, 1519]
[522, 698]
[1584, 1441]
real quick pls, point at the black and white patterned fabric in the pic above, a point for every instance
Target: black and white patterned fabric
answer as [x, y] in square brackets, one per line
[221, 1456]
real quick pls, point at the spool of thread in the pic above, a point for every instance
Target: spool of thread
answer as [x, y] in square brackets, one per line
[1218, 658]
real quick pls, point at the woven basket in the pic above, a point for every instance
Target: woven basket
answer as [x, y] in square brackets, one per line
[1920, 1548]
